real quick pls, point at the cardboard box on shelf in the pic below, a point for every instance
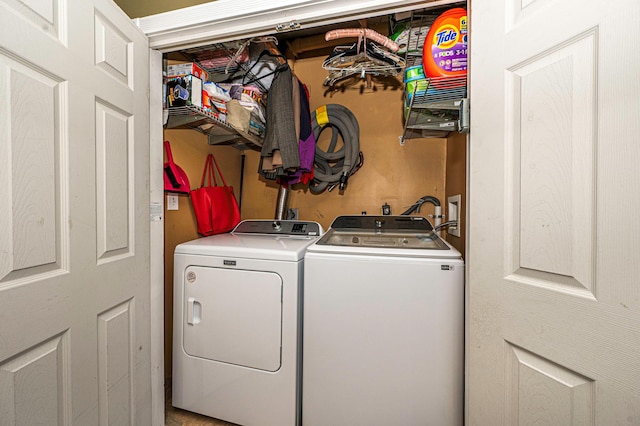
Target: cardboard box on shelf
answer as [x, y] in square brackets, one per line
[189, 68]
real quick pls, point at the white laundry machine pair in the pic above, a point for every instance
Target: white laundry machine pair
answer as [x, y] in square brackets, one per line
[383, 325]
[237, 322]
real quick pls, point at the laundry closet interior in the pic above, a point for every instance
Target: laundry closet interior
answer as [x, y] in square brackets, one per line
[398, 164]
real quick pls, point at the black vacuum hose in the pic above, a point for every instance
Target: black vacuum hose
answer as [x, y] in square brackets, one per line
[347, 159]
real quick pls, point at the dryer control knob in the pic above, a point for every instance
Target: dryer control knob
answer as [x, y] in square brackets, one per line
[276, 226]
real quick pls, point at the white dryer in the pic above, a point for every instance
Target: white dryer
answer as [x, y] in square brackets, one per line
[383, 325]
[237, 322]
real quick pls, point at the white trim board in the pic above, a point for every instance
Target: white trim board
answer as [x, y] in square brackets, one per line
[225, 20]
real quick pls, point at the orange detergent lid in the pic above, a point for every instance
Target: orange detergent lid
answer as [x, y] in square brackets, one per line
[445, 48]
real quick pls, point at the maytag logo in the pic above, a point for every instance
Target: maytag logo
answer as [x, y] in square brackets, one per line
[447, 267]
[229, 262]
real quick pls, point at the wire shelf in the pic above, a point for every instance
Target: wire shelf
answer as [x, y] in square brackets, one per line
[441, 93]
[218, 131]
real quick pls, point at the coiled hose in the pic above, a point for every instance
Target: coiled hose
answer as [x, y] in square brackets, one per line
[347, 160]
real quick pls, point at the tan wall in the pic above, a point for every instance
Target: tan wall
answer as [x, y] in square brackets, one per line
[397, 175]
[456, 184]
[140, 8]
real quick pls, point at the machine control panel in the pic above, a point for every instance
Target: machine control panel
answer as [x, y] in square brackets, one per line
[279, 227]
[411, 224]
[299, 228]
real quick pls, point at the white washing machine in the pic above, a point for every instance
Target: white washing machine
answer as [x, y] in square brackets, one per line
[383, 325]
[237, 322]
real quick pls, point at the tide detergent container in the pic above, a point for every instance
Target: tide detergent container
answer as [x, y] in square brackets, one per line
[445, 48]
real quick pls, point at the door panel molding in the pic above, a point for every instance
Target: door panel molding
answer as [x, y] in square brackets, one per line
[46, 16]
[40, 373]
[113, 51]
[114, 182]
[115, 364]
[33, 234]
[540, 391]
[551, 198]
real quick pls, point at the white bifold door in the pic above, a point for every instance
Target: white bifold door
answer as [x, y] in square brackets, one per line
[74, 215]
[554, 248]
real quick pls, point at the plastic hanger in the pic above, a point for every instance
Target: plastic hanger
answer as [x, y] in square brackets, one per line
[261, 39]
[361, 58]
[281, 67]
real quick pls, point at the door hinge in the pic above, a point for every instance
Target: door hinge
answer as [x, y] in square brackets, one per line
[289, 26]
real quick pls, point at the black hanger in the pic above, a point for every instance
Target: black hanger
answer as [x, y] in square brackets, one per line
[372, 52]
[280, 67]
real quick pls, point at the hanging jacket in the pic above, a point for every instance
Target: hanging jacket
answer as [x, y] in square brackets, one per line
[306, 144]
[280, 132]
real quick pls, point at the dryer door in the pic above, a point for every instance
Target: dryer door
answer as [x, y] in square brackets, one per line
[233, 316]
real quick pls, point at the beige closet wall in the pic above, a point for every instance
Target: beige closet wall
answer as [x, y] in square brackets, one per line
[456, 183]
[397, 175]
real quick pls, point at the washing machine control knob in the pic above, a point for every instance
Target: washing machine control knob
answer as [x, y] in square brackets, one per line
[276, 226]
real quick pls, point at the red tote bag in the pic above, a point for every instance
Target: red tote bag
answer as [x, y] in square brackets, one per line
[215, 205]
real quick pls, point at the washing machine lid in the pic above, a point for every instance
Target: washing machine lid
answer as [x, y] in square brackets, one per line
[384, 235]
[258, 239]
